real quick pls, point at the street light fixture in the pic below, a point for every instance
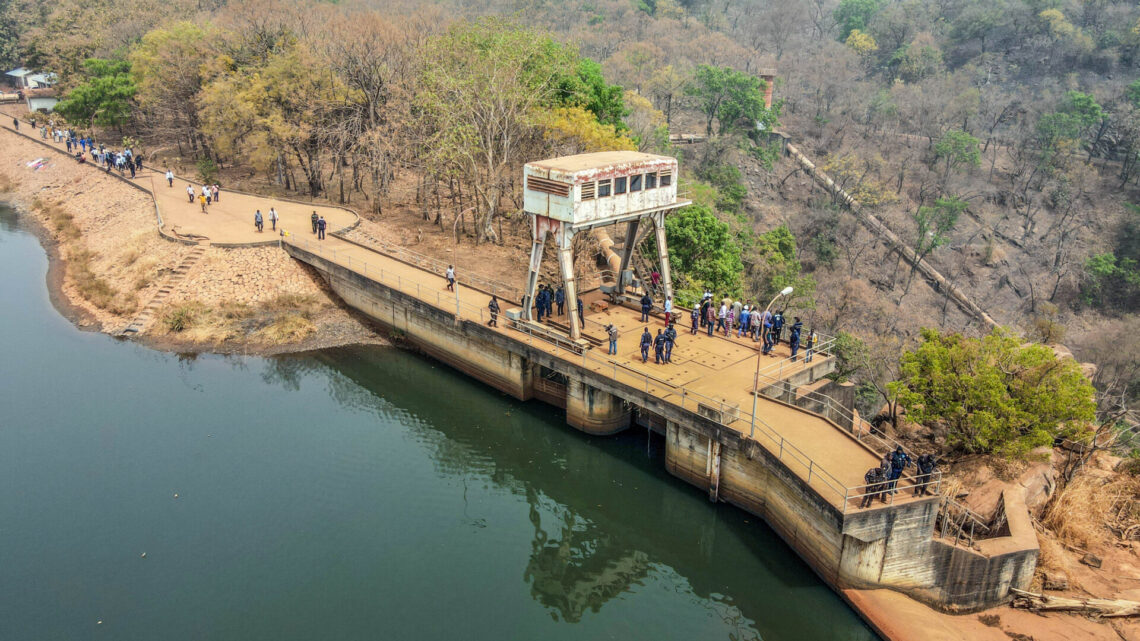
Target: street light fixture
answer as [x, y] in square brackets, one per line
[756, 380]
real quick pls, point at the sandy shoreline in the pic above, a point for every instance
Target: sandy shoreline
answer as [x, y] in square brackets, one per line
[96, 219]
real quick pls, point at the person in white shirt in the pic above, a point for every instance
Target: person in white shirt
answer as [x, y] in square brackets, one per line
[190, 192]
[273, 217]
[170, 177]
[668, 310]
[206, 193]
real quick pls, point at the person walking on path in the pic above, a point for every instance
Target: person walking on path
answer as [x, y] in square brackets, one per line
[217, 191]
[646, 305]
[449, 276]
[613, 335]
[201, 201]
[794, 337]
[16, 123]
[208, 194]
[710, 319]
[926, 465]
[493, 307]
[169, 178]
[670, 341]
[646, 341]
[273, 217]
[190, 192]
[258, 221]
[314, 219]
[321, 225]
[132, 166]
[900, 460]
[659, 348]
[874, 484]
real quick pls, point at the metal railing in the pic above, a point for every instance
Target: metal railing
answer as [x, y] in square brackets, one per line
[502, 290]
[959, 522]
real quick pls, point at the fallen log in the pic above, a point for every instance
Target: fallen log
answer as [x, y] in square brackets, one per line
[1099, 607]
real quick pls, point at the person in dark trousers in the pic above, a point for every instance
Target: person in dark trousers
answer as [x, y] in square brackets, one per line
[874, 480]
[646, 341]
[581, 314]
[710, 318]
[314, 218]
[613, 336]
[540, 302]
[646, 305]
[900, 460]
[560, 298]
[659, 348]
[808, 345]
[138, 163]
[449, 276]
[321, 225]
[169, 178]
[493, 307]
[926, 465]
[794, 337]
[705, 304]
[670, 341]
[258, 221]
[695, 317]
[777, 327]
[766, 330]
[16, 123]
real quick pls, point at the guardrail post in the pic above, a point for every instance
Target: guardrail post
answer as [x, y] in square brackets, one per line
[811, 465]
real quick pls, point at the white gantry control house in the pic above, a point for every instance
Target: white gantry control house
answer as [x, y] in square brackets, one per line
[570, 194]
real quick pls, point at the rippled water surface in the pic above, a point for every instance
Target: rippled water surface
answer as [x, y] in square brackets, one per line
[361, 493]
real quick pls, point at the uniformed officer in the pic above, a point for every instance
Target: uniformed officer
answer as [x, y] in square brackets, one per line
[670, 340]
[646, 341]
[659, 348]
[646, 305]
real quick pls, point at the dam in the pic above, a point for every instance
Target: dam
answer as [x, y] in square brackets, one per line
[768, 434]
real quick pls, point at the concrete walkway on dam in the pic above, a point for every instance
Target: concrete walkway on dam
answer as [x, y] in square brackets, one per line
[714, 372]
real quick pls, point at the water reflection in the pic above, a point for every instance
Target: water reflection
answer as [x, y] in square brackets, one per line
[580, 569]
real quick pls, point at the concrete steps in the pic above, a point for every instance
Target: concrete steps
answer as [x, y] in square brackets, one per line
[144, 317]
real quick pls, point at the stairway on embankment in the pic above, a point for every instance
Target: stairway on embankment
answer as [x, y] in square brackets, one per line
[145, 316]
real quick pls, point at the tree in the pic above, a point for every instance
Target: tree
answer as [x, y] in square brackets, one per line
[861, 43]
[167, 66]
[104, 97]
[854, 14]
[932, 226]
[479, 86]
[775, 264]
[274, 113]
[731, 98]
[703, 249]
[994, 394]
[957, 149]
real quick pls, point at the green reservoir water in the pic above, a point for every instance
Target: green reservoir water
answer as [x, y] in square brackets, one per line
[361, 493]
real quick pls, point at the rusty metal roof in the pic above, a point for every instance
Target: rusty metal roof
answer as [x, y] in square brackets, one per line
[596, 161]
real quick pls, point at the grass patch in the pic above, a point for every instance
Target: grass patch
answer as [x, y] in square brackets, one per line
[1089, 510]
[93, 288]
[58, 218]
[286, 319]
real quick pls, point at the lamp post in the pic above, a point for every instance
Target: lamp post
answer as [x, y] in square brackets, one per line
[756, 380]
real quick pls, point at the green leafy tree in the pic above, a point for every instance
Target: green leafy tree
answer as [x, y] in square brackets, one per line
[854, 14]
[994, 394]
[585, 86]
[730, 97]
[957, 149]
[775, 264]
[104, 97]
[1133, 93]
[932, 228]
[703, 249]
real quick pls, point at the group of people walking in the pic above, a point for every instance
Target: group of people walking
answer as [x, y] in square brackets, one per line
[81, 146]
[743, 319]
[208, 195]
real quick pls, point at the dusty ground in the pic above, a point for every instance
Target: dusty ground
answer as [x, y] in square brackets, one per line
[84, 216]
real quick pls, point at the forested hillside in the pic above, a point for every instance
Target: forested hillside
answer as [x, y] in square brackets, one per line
[998, 139]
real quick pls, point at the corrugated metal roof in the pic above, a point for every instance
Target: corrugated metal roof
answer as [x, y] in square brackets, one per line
[597, 160]
[18, 73]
